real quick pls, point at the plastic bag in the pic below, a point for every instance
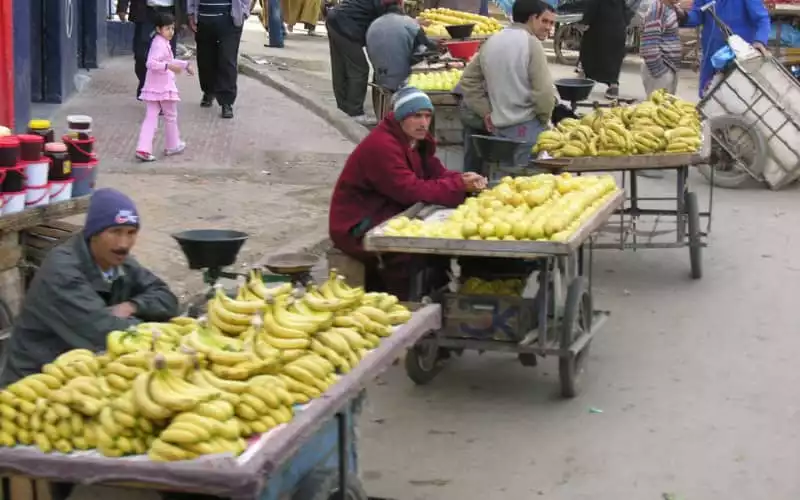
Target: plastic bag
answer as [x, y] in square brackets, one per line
[722, 58]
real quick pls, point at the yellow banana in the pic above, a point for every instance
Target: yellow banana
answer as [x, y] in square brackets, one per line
[285, 330]
[184, 433]
[267, 395]
[222, 326]
[218, 410]
[161, 451]
[300, 387]
[301, 374]
[221, 384]
[145, 404]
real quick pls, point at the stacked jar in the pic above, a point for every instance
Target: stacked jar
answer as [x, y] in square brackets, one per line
[36, 168]
[60, 175]
[12, 176]
[81, 147]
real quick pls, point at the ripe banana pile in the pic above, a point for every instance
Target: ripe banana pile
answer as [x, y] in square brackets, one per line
[662, 124]
[186, 388]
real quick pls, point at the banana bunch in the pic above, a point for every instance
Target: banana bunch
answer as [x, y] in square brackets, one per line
[160, 393]
[230, 316]
[396, 312]
[264, 405]
[230, 358]
[255, 289]
[309, 376]
[120, 373]
[72, 364]
[156, 336]
[120, 430]
[627, 130]
[195, 433]
[50, 427]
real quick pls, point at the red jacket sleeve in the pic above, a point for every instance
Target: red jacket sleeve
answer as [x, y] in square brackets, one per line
[398, 182]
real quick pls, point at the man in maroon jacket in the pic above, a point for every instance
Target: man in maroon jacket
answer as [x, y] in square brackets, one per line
[393, 168]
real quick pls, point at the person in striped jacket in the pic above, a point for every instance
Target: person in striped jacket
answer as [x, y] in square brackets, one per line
[660, 49]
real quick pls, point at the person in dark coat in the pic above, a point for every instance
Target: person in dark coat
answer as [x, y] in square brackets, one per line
[603, 43]
[393, 168]
[143, 17]
[347, 25]
[86, 288]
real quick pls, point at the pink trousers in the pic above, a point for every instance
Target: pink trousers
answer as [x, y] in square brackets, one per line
[172, 137]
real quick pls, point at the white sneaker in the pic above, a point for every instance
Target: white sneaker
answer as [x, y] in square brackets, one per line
[178, 150]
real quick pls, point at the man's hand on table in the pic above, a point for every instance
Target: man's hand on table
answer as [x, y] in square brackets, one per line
[473, 182]
[124, 310]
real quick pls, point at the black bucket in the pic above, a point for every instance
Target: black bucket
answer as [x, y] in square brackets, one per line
[30, 147]
[9, 152]
[14, 181]
[80, 150]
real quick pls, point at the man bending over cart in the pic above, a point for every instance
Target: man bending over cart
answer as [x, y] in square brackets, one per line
[508, 83]
[393, 168]
[87, 287]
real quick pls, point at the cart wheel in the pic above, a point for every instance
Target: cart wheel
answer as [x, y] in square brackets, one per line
[566, 42]
[577, 320]
[736, 148]
[324, 485]
[693, 223]
[422, 361]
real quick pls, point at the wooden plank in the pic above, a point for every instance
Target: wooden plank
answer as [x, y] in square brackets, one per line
[21, 488]
[38, 215]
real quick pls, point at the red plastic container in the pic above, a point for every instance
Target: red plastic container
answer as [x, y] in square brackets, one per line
[463, 49]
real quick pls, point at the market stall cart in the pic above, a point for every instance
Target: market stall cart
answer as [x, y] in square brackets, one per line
[754, 115]
[560, 321]
[629, 226]
[309, 458]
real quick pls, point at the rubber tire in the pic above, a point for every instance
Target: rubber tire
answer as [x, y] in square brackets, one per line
[571, 369]
[414, 369]
[693, 225]
[739, 179]
[324, 484]
[558, 39]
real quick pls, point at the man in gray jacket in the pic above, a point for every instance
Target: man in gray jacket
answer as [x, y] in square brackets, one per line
[217, 25]
[508, 84]
[87, 287]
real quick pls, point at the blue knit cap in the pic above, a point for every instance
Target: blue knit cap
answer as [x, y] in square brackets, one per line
[410, 100]
[107, 208]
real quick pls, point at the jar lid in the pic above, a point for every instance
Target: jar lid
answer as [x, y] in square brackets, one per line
[55, 147]
[39, 124]
[30, 138]
[9, 141]
[79, 119]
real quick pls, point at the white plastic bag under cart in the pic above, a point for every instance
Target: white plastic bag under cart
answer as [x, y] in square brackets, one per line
[767, 97]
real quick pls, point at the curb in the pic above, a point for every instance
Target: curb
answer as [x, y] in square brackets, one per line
[336, 118]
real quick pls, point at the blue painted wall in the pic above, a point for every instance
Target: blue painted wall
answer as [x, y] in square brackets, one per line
[22, 63]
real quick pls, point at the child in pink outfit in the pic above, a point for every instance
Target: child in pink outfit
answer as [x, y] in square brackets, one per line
[160, 93]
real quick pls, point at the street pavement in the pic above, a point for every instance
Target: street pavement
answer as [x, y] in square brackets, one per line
[690, 390]
[267, 172]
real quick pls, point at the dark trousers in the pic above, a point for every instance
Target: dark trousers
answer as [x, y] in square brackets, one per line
[142, 35]
[217, 41]
[349, 73]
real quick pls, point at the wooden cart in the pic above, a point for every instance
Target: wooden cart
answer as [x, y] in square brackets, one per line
[559, 321]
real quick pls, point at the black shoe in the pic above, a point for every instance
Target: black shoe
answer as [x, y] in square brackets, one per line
[612, 93]
[227, 111]
[207, 101]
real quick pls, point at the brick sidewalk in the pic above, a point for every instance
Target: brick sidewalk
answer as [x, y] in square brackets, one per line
[268, 172]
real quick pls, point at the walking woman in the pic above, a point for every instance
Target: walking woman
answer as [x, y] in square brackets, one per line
[603, 44]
